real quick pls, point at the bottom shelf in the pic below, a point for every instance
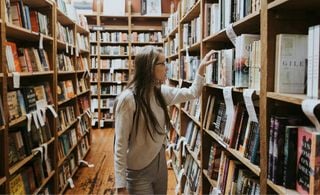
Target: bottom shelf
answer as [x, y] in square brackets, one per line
[211, 181]
[281, 189]
[44, 183]
[2, 180]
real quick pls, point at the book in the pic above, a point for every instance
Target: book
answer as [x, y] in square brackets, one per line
[16, 185]
[308, 161]
[153, 7]
[290, 63]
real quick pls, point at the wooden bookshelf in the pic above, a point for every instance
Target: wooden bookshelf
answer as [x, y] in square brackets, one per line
[272, 18]
[26, 38]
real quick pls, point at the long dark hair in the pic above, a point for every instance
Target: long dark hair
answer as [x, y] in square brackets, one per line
[142, 85]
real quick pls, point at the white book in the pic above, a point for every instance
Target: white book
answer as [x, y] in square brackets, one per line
[310, 62]
[316, 60]
[290, 65]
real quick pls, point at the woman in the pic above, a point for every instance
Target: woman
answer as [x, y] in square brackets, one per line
[141, 122]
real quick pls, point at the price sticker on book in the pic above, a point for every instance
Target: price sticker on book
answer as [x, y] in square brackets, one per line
[29, 117]
[16, 79]
[247, 96]
[308, 107]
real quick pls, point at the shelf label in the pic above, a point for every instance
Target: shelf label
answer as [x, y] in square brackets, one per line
[35, 119]
[52, 111]
[29, 117]
[70, 181]
[16, 79]
[41, 41]
[231, 34]
[247, 95]
[308, 107]
[227, 94]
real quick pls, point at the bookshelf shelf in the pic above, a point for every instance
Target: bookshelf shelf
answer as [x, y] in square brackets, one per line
[173, 32]
[115, 28]
[83, 93]
[114, 43]
[191, 117]
[280, 189]
[17, 121]
[211, 181]
[67, 100]
[67, 127]
[63, 19]
[20, 33]
[194, 156]
[31, 74]
[145, 28]
[193, 48]
[290, 98]
[192, 13]
[20, 164]
[293, 5]
[114, 56]
[81, 30]
[2, 180]
[146, 43]
[255, 169]
[63, 45]
[138, 15]
[108, 120]
[173, 57]
[217, 138]
[38, 4]
[67, 184]
[44, 182]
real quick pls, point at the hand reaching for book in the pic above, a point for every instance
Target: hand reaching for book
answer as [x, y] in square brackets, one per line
[208, 59]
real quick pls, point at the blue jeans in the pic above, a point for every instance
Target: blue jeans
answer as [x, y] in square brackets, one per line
[151, 179]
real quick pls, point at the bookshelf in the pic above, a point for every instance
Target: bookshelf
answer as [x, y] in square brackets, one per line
[30, 75]
[114, 39]
[264, 18]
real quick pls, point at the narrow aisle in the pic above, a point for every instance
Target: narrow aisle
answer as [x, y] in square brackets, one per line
[100, 178]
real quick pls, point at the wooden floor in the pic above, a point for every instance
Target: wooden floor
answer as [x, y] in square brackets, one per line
[100, 178]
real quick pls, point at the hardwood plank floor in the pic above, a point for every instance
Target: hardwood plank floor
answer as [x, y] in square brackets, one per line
[100, 178]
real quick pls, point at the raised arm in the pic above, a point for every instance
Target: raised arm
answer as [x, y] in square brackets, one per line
[174, 95]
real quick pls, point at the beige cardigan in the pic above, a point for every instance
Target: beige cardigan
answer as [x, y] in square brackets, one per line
[140, 150]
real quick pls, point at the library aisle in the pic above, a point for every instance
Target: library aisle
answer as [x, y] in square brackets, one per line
[100, 178]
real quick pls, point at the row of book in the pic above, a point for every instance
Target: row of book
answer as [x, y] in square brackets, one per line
[112, 89]
[66, 142]
[193, 108]
[114, 63]
[173, 69]
[188, 67]
[67, 116]
[171, 47]
[65, 63]
[107, 103]
[65, 90]
[21, 14]
[82, 41]
[109, 50]
[29, 178]
[28, 99]
[191, 32]
[30, 59]
[114, 77]
[231, 176]
[171, 24]
[65, 34]
[146, 37]
[220, 15]
[69, 10]
[293, 157]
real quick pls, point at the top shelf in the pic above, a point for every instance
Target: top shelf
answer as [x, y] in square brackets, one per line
[248, 24]
[38, 4]
[192, 13]
[294, 4]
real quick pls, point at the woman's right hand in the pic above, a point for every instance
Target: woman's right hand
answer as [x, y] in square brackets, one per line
[205, 62]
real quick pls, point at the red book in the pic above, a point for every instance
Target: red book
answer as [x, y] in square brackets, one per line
[308, 161]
